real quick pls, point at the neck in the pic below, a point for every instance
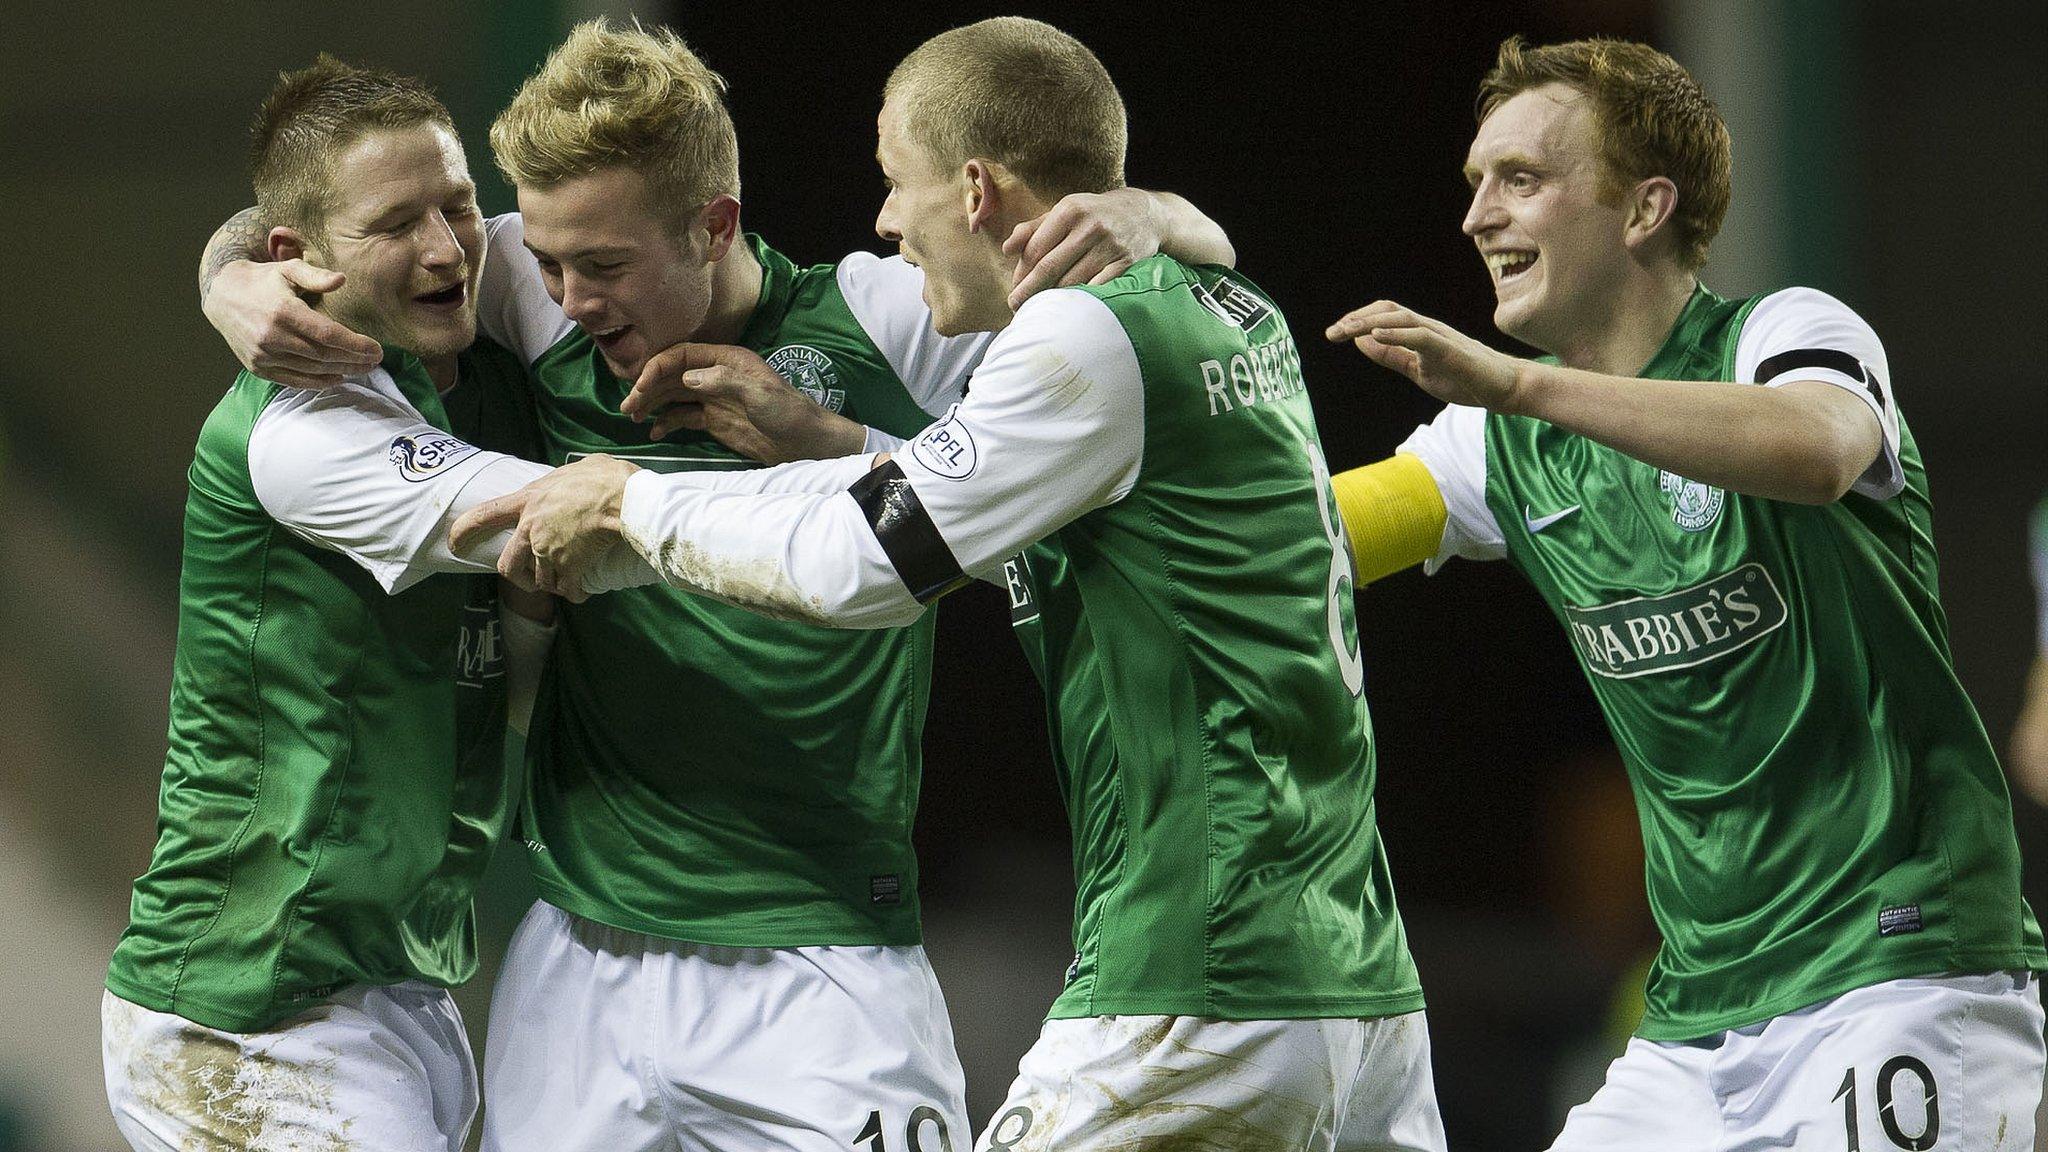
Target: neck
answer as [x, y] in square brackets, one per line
[735, 293]
[441, 370]
[1636, 324]
[1002, 267]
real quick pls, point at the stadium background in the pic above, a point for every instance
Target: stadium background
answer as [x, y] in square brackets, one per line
[1884, 153]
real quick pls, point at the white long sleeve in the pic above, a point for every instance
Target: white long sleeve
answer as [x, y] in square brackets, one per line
[355, 468]
[1052, 428]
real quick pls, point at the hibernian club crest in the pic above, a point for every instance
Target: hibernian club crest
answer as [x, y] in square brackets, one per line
[811, 372]
[1694, 506]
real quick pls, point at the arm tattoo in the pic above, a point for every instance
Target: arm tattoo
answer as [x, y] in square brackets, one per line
[241, 238]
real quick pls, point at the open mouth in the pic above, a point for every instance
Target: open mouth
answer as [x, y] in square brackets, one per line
[1510, 264]
[609, 338]
[448, 297]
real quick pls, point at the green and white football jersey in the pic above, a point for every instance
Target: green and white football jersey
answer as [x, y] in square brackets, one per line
[1186, 597]
[336, 777]
[697, 772]
[1820, 805]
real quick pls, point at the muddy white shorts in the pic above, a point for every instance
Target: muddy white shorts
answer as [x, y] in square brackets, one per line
[603, 1040]
[1948, 1062]
[1127, 1082]
[386, 1068]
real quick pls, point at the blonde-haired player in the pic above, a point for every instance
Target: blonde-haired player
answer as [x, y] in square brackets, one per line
[1721, 503]
[718, 812]
[1138, 461]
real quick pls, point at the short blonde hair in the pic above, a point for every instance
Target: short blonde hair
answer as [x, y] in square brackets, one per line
[622, 96]
[309, 118]
[1654, 119]
[1021, 93]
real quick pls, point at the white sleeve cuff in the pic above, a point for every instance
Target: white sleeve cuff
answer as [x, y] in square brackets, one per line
[641, 504]
[880, 441]
[786, 554]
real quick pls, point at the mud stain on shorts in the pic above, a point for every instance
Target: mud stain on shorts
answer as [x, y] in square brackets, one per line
[236, 1099]
[1154, 1103]
[1184, 1126]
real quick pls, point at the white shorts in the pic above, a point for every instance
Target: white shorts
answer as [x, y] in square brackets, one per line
[385, 1068]
[1947, 1062]
[1180, 1082]
[603, 1039]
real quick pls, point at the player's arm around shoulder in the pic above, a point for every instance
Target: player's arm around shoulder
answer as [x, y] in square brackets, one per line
[263, 310]
[1084, 238]
[886, 297]
[1094, 237]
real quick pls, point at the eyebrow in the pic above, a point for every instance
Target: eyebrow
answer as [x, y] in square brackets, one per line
[1504, 160]
[386, 213]
[582, 253]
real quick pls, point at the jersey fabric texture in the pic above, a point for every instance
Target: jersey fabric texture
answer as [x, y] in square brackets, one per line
[1215, 752]
[698, 772]
[1199, 657]
[1820, 805]
[336, 779]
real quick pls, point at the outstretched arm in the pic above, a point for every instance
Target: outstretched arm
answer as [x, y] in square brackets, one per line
[1802, 440]
[1050, 430]
[355, 469]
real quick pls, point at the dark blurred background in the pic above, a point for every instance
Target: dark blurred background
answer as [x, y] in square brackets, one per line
[1889, 153]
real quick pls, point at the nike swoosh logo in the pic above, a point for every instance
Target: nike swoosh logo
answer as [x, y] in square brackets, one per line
[1539, 523]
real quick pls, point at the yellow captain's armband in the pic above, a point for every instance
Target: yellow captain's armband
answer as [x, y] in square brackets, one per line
[1393, 513]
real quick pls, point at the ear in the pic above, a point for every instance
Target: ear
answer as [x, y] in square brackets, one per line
[1651, 205]
[720, 220]
[286, 244]
[981, 194]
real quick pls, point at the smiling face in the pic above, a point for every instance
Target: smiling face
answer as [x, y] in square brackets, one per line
[403, 227]
[613, 259]
[926, 214]
[1546, 218]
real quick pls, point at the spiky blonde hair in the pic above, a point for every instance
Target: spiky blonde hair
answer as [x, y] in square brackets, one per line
[622, 96]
